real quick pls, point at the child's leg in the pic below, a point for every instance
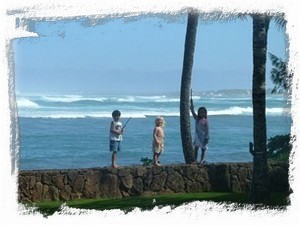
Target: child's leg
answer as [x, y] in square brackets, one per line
[202, 154]
[155, 158]
[196, 152]
[114, 159]
[115, 147]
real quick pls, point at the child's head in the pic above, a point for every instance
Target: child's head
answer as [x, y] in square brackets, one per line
[116, 114]
[159, 121]
[202, 112]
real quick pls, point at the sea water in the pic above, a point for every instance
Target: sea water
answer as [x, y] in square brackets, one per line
[58, 131]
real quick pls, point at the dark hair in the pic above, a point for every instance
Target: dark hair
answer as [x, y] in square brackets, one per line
[204, 109]
[116, 113]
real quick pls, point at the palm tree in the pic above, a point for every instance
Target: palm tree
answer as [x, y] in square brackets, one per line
[259, 187]
[189, 48]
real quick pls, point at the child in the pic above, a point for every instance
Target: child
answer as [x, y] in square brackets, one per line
[201, 131]
[158, 139]
[115, 137]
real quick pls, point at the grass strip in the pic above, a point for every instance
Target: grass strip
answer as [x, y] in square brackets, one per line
[277, 200]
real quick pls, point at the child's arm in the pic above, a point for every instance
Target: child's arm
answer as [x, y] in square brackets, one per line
[193, 111]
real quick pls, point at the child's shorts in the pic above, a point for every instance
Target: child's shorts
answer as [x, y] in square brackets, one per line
[157, 149]
[114, 146]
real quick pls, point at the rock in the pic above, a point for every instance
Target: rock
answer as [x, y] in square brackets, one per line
[109, 186]
[37, 192]
[46, 194]
[79, 184]
[46, 179]
[72, 174]
[126, 182]
[58, 181]
[54, 193]
[175, 182]
[194, 187]
[66, 193]
[147, 178]
[235, 184]
[219, 178]
[126, 179]
[137, 187]
[158, 182]
[92, 184]
[141, 171]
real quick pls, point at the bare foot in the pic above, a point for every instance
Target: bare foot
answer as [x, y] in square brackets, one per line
[115, 166]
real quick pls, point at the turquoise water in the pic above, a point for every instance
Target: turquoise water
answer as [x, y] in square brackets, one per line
[71, 131]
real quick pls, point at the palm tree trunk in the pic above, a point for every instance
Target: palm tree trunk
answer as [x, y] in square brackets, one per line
[189, 48]
[260, 182]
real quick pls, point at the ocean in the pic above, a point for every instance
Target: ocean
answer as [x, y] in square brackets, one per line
[59, 131]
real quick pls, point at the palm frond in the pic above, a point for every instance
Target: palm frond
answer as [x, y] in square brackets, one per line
[280, 75]
[280, 21]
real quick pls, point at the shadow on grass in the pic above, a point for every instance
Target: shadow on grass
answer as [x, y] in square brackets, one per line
[277, 201]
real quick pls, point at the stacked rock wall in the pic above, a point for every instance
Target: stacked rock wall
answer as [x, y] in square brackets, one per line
[37, 185]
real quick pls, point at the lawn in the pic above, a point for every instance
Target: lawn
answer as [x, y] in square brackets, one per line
[277, 200]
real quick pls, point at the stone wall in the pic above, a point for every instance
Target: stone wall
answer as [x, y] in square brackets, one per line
[106, 182]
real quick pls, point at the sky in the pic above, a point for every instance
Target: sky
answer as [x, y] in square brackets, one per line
[137, 55]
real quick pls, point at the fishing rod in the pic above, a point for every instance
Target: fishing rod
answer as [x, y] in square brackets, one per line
[126, 122]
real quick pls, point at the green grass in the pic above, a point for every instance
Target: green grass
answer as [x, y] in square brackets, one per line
[277, 200]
